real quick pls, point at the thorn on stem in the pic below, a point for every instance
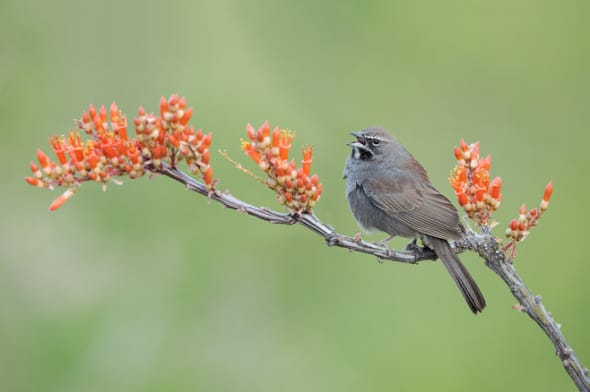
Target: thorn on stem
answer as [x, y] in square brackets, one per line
[518, 307]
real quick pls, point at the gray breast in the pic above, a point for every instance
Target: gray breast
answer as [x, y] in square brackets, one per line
[371, 217]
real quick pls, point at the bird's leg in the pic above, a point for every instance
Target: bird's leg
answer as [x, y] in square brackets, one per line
[385, 241]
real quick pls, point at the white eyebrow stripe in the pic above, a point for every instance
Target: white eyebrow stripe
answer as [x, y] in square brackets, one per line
[375, 138]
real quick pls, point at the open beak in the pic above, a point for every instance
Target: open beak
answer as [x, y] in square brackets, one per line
[359, 137]
[360, 143]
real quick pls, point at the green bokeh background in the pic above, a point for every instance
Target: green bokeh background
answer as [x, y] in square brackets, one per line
[148, 287]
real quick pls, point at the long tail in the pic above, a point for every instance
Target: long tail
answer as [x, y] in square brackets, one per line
[460, 275]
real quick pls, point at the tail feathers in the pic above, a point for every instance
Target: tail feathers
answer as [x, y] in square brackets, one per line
[460, 275]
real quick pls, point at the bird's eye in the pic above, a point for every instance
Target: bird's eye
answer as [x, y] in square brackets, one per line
[375, 142]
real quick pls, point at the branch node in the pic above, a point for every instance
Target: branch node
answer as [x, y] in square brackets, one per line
[294, 217]
[333, 239]
[357, 237]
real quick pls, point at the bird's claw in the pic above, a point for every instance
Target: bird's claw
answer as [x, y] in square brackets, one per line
[413, 247]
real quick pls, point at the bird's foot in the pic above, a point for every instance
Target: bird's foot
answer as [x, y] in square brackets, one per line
[414, 247]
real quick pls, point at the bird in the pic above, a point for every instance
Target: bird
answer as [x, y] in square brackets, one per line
[389, 190]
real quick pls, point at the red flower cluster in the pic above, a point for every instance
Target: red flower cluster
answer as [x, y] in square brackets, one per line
[295, 187]
[470, 179]
[518, 229]
[109, 153]
[168, 137]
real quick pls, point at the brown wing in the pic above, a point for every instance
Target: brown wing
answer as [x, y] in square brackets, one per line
[418, 205]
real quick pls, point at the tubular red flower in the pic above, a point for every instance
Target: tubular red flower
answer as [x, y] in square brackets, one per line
[173, 101]
[252, 153]
[43, 159]
[480, 194]
[92, 160]
[285, 144]
[495, 188]
[458, 178]
[208, 176]
[163, 106]
[207, 139]
[548, 191]
[62, 199]
[265, 129]
[188, 113]
[464, 146]
[133, 154]
[251, 132]
[475, 151]
[103, 114]
[199, 134]
[173, 140]
[59, 149]
[35, 182]
[306, 162]
[513, 224]
[318, 192]
[107, 148]
[275, 137]
[98, 125]
[462, 198]
[114, 112]
[485, 163]
[91, 112]
[34, 168]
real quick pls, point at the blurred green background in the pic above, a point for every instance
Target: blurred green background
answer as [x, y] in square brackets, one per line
[148, 287]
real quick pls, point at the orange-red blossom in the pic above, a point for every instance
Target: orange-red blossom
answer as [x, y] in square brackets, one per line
[480, 197]
[296, 188]
[470, 179]
[519, 228]
[109, 153]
